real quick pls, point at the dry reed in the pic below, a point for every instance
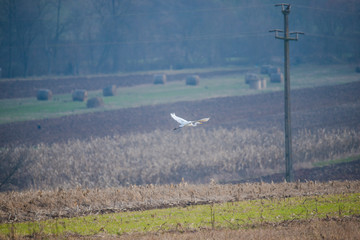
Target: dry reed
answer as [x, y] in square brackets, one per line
[196, 155]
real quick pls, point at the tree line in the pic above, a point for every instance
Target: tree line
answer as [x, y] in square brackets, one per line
[65, 37]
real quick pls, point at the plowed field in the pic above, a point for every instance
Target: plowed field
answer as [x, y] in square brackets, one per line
[320, 107]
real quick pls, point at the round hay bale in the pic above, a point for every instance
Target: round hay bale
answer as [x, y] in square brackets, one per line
[249, 77]
[272, 70]
[193, 80]
[109, 91]
[95, 102]
[277, 78]
[79, 95]
[159, 79]
[255, 84]
[44, 94]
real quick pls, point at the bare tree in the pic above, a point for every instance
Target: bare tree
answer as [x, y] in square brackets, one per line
[110, 15]
[103, 36]
[7, 39]
[51, 38]
[27, 19]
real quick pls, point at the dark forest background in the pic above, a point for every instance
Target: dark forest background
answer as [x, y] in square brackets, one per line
[67, 37]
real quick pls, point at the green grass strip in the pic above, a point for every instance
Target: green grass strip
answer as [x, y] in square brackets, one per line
[336, 161]
[13, 110]
[232, 215]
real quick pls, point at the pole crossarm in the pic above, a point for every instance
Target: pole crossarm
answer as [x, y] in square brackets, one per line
[296, 35]
[285, 7]
[277, 31]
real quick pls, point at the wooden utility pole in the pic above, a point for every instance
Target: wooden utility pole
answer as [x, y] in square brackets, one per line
[285, 9]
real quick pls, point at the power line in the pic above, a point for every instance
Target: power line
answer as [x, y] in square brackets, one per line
[328, 10]
[167, 12]
[204, 37]
[339, 38]
[223, 9]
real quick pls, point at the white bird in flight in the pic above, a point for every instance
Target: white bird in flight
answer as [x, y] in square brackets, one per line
[186, 123]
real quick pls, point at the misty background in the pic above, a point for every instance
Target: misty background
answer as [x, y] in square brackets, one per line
[66, 37]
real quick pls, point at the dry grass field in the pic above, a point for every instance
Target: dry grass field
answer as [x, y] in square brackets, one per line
[162, 157]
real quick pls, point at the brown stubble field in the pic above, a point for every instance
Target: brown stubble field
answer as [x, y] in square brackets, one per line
[196, 155]
[35, 205]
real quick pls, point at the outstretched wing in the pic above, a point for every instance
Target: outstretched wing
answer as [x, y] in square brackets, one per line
[203, 120]
[179, 119]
